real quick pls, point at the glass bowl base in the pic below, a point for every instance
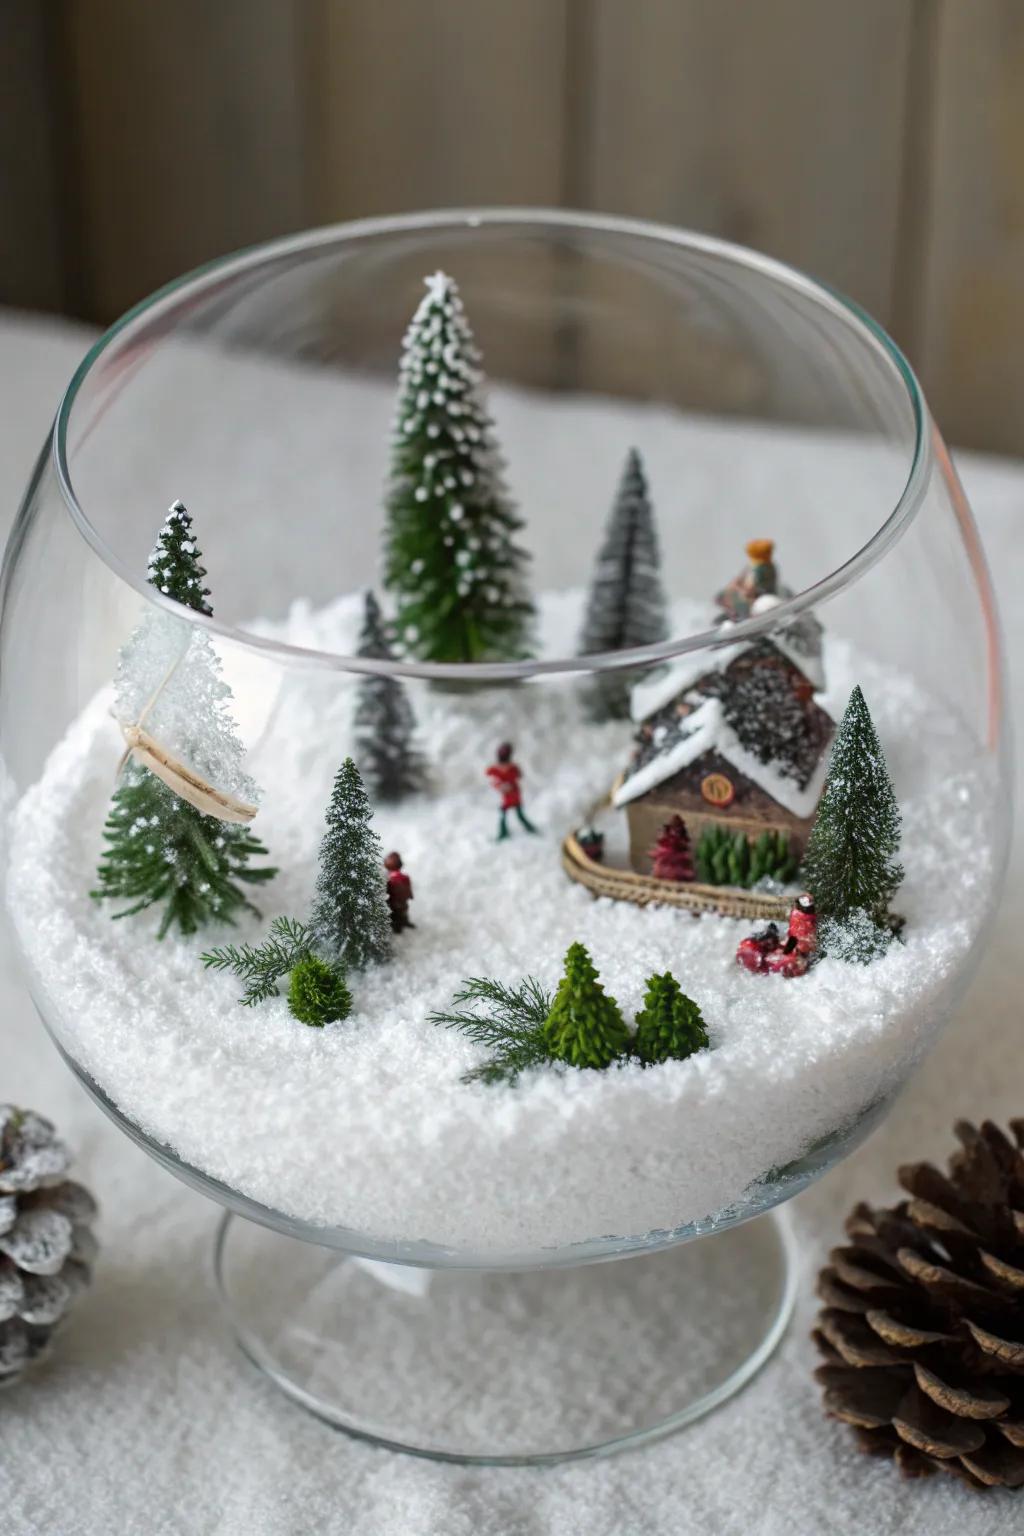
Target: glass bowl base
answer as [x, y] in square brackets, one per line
[511, 1368]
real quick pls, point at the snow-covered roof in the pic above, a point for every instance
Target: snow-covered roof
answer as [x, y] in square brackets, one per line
[799, 643]
[667, 682]
[707, 730]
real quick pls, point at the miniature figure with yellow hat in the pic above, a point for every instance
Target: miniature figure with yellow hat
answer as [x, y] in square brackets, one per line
[758, 579]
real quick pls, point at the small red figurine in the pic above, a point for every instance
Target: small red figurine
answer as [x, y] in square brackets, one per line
[399, 893]
[506, 776]
[766, 953]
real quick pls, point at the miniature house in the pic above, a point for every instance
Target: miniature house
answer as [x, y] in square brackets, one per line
[737, 739]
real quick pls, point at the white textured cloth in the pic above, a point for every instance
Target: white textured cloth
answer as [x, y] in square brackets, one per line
[148, 1421]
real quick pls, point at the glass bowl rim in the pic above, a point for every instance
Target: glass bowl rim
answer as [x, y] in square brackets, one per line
[851, 314]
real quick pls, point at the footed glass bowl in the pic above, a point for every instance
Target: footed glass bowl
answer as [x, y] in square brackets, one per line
[417, 1261]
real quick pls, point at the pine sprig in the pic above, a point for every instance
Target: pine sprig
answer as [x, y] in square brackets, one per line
[509, 1021]
[262, 966]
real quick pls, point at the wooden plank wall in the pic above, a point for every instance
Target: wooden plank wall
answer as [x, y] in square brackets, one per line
[879, 145]
[31, 259]
[968, 339]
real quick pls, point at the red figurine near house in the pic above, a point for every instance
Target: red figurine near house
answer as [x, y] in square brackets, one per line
[399, 893]
[767, 953]
[506, 777]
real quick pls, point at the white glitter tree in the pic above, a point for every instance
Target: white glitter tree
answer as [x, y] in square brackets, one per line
[168, 677]
[170, 697]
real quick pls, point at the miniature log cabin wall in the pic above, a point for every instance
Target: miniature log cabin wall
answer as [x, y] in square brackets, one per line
[751, 811]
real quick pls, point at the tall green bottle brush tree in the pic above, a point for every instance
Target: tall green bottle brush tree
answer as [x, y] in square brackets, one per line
[451, 558]
[160, 850]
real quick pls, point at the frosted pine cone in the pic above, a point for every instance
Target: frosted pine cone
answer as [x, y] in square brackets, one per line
[46, 1245]
[923, 1324]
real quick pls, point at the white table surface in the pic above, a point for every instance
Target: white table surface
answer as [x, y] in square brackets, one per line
[147, 1421]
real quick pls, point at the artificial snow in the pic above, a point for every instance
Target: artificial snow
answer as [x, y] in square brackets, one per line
[366, 1123]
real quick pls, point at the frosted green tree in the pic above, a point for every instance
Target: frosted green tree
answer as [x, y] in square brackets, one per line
[174, 566]
[626, 604]
[451, 557]
[350, 920]
[850, 865]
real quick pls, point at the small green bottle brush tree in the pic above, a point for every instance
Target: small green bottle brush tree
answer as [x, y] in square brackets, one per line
[850, 864]
[580, 1025]
[160, 850]
[626, 604]
[348, 928]
[350, 922]
[385, 726]
[451, 558]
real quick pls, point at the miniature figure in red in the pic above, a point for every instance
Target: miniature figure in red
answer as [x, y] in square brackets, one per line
[399, 893]
[506, 777]
[767, 953]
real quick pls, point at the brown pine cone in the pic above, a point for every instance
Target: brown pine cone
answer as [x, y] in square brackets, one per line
[923, 1324]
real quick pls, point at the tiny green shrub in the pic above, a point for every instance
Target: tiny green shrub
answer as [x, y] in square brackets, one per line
[317, 993]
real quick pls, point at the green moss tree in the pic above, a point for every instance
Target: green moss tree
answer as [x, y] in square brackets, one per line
[850, 863]
[585, 1026]
[350, 922]
[451, 557]
[669, 1024]
[161, 851]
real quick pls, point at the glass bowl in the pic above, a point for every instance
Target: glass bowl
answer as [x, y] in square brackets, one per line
[261, 391]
